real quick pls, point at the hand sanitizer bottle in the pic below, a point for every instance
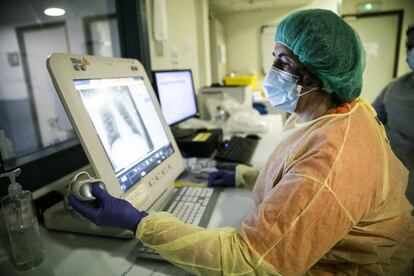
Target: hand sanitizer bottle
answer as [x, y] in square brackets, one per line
[22, 225]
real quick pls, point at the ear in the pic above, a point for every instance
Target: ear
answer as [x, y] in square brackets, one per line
[307, 78]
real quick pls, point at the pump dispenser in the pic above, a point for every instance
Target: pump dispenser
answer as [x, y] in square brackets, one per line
[22, 225]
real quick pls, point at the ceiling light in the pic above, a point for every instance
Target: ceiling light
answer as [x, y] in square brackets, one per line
[369, 7]
[54, 11]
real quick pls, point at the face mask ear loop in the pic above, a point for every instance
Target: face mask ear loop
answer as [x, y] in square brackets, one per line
[300, 88]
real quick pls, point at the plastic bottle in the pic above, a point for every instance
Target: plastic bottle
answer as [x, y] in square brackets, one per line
[220, 116]
[22, 225]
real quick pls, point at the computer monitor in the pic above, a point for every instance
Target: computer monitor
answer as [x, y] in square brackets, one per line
[175, 91]
[118, 121]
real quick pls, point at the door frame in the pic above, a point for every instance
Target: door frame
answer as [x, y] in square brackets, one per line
[25, 65]
[87, 22]
[400, 15]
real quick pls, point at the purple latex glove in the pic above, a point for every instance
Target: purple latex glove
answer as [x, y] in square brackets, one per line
[222, 179]
[112, 212]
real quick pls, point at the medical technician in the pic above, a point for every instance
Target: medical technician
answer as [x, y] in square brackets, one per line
[330, 198]
[395, 108]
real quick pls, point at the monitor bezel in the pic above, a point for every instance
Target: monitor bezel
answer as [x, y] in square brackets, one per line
[63, 69]
[154, 78]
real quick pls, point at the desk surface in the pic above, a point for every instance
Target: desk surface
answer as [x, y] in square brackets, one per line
[267, 142]
[75, 254]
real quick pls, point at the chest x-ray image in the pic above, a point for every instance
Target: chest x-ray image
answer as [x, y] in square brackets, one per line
[119, 125]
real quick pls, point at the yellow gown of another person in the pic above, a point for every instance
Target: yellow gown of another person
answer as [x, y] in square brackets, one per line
[330, 199]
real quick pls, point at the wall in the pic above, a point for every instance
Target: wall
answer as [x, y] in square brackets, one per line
[350, 7]
[243, 36]
[217, 49]
[203, 39]
[187, 45]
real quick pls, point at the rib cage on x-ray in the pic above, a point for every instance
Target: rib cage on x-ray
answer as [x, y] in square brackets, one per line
[120, 102]
[120, 106]
[111, 130]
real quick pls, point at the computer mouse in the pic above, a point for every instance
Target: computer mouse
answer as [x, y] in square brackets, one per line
[253, 136]
[81, 186]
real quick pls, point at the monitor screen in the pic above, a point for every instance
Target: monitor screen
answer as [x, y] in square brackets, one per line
[127, 124]
[120, 125]
[176, 95]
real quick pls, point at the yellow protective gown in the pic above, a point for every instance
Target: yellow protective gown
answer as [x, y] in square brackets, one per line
[330, 199]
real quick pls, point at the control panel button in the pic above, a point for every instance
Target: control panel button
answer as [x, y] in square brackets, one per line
[77, 67]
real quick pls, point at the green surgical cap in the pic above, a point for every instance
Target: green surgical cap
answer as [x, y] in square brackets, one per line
[328, 47]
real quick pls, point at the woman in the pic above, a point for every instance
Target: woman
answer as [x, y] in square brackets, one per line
[331, 196]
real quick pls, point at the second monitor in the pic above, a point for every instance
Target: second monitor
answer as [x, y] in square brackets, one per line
[175, 91]
[177, 97]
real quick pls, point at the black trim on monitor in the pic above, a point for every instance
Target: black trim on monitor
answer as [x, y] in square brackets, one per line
[154, 85]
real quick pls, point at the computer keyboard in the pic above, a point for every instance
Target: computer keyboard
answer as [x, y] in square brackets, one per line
[238, 150]
[192, 205]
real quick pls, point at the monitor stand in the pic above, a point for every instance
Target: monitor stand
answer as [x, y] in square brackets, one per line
[58, 217]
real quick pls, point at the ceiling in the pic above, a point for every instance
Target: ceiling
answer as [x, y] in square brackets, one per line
[234, 6]
[19, 12]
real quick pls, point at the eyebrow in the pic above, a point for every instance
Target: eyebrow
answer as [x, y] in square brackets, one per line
[281, 55]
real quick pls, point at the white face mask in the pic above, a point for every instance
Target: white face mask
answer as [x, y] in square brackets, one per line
[282, 90]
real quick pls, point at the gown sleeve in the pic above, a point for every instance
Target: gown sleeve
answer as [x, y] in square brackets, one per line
[246, 176]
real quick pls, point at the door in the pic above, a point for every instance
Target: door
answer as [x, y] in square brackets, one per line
[52, 120]
[101, 36]
[380, 36]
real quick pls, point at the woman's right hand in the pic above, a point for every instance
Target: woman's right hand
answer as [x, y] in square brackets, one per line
[110, 212]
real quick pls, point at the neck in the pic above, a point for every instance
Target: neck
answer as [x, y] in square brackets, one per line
[314, 105]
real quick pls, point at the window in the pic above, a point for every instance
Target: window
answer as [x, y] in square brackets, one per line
[35, 131]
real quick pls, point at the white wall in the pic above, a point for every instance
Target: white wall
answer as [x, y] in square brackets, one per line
[243, 34]
[218, 51]
[187, 45]
[203, 39]
[350, 7]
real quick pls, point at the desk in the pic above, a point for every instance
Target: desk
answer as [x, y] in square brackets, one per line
[267, 142]
[75, 254]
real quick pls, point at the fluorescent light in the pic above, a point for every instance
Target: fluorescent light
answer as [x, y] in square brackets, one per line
[369, 7]
[54, 11]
